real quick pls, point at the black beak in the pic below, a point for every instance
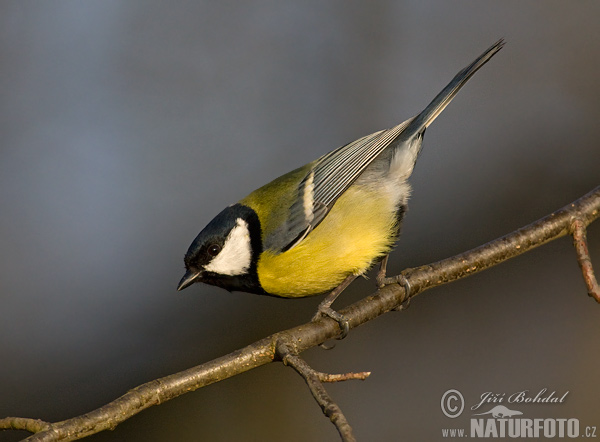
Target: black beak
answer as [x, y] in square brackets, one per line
[188, 279]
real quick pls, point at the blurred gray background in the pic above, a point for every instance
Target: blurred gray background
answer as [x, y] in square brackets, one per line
[126, 126]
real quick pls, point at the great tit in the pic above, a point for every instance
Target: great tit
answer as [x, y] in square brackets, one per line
[320, 226]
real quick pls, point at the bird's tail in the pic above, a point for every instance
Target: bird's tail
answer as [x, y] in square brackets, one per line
[439, 103]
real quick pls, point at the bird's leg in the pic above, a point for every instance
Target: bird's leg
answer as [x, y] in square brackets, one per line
[324, 308]
[382, 280]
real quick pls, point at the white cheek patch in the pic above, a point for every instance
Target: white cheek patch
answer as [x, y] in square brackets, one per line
[236, 256]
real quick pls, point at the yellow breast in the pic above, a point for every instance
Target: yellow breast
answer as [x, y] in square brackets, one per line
[361, 227]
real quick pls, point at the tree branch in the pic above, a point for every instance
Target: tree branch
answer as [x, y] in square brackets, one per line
[314, 381]
[583, 258]
[23, 423]
[572, 218]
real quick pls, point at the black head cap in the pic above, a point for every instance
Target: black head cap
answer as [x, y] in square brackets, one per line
[226, 251]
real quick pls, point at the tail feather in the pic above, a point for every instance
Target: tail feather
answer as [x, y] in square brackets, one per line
[439, 103]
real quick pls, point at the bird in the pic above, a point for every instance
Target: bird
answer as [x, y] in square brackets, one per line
[317, 228]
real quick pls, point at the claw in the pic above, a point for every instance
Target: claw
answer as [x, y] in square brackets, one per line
[400, 279]
[336, 316]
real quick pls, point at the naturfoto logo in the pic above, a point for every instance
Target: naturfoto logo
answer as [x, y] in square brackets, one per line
[494, 419]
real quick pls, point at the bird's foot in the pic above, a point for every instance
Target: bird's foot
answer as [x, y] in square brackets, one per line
[382, 281]
[343, 322]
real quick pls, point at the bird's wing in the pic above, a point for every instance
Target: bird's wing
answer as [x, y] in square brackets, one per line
[333, 173]
[326, 181]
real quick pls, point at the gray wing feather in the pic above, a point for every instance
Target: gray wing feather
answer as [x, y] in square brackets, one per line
[336, 171]
[328, 179]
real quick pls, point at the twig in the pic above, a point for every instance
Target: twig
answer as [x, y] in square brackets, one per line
[583, 258]
[23, 423]
[313, 379]
[158, 391]
[551, 227]
[340, 377]
[586, 209]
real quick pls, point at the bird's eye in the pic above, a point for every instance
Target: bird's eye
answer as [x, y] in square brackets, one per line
[214, 249]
